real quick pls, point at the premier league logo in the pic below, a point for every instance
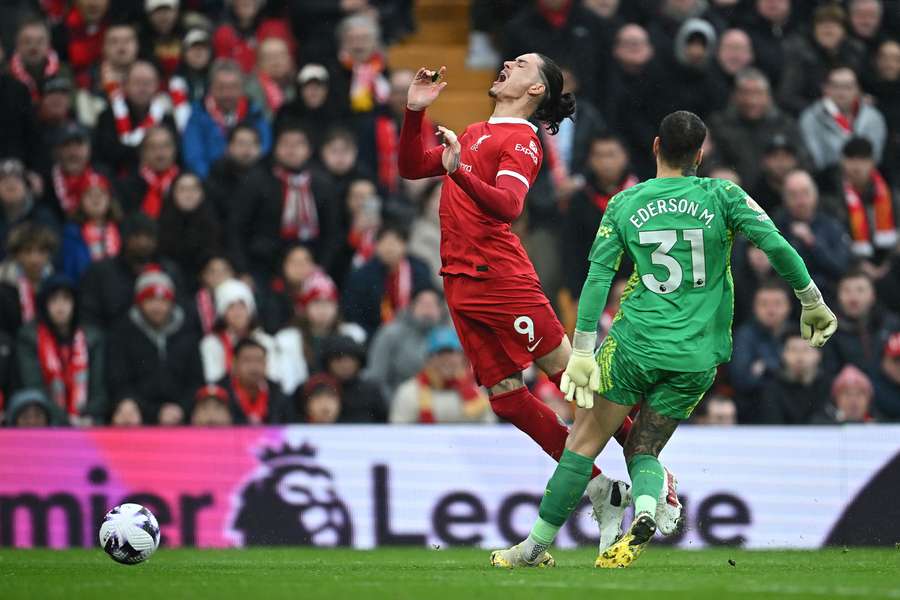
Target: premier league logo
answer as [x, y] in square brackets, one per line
[292, 501]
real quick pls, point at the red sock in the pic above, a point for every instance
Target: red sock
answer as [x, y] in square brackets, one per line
[521, 408]
[621, 434]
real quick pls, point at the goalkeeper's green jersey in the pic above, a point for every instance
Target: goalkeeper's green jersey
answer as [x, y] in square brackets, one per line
[677, 308]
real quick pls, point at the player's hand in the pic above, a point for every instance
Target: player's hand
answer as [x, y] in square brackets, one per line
[817, 322]
[581, 378]
[425, 88]
[452, 150]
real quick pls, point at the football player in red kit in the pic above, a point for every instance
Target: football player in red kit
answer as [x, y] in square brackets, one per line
[503, 318]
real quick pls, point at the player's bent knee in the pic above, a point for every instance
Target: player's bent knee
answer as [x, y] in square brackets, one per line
[510, 384]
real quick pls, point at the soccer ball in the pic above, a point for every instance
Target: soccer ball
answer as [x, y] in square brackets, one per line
[129, 534]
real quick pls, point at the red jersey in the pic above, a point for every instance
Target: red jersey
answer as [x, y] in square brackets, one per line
[500, 159]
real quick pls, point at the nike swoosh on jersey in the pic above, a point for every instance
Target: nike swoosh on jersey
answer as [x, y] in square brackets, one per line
[535, 345]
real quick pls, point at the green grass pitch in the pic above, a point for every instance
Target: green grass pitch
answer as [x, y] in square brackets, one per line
[301, 574]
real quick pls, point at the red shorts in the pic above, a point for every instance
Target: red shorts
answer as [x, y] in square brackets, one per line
[504, 324]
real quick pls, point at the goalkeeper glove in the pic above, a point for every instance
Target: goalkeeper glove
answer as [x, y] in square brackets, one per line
[817, 322]
[582, 375]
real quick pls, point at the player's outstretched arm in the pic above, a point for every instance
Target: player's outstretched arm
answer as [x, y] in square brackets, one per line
[414, 160]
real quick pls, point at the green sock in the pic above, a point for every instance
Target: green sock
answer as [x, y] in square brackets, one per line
[563, 493]
[647, 479]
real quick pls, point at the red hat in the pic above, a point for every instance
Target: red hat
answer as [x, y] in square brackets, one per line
[96, 180]
[851, 377]
[892, 348]
[153, 283]
[318, 286]
[212, 391]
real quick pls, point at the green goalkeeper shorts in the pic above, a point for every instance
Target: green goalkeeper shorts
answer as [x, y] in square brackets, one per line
[624, 380]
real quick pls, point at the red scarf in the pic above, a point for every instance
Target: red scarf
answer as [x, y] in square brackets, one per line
[206, 309]
[69, 188]
[368, 86]
[229, 120]
[26, 298]
[885, 226]
[600, 199]
[85, 45]
[227, 348]
[129, 134]
[397, 291]
[255, 407]
[363, 242]
[65, 369]
[387, 141]
[21, 73]
[474, 403]
[843, 121]
[103, 241]
[299, 215]
[272, 91]
[181, 107]
[556, 17]
[157, 186]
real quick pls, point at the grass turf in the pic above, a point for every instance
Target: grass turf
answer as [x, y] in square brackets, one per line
[419, 574]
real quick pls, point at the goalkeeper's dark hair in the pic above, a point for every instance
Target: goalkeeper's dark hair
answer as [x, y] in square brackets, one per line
[681, 135]
[555, 105]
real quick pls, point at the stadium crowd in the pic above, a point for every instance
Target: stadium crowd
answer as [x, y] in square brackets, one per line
[202, 220]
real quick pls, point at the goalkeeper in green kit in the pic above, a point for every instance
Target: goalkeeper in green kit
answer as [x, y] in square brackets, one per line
[672, 330]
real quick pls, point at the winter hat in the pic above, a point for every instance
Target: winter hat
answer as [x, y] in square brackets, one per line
[851, 377]
[319, 382]
[892, 347]
[341, 345]
[211, 391]
[318, 286]
[33, 396]
[153, 283]
[97, 180]
[234, 290]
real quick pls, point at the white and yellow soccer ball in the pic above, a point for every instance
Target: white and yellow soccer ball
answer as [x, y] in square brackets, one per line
[129, 534]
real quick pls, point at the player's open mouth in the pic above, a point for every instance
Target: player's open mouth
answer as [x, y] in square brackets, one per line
[501, 77]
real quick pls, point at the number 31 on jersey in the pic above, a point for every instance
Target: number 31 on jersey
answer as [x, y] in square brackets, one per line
[665, 240]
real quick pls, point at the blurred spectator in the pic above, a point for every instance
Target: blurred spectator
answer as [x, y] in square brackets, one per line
[840, 114]
[107, 287]
[320, 400]
[819, 238]
[635, 105]
[715, 410]
[485, 18]
[359, 79]
[161, 35]
[273, 82]
[93, 233]
[188, 229]
[445, 390]
[757, 346]
[144, 189]
[383, 286]
[54, 116]
[281, 203]
[227, 174]
[243, 31]
[769, 26]
[71, 170]
[224, 107]
[779, 158]
[119, 52]
[865, 20]
[134, 108]
[864, 202]
[287, 287]
[884, 85]
[887, 380]
[399, 349]
[21, 136]
[607, 174]
[693, 68]
[32, 408]
[851, 399]
[215, 270]
[34, 61]
[425, 233]
[751, 268]
[671, 16]
[742, 131]
[361, 400]
[255, 399]
[808, 59]
[314, 107]
[338, 154]
[190, 81]
[17, 203]
[62, 358]
[152, 355]
[236, 319]
[30, 248]
[734, 54]
[211, 407]
[798, 390]
[863, 326]
[79, 37]
[126, 413]
[364, 209]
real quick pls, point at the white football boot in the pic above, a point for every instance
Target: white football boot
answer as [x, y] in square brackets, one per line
[610, 498]
[669, 518]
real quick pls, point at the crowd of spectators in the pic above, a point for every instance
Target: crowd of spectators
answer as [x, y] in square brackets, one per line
[202, 220]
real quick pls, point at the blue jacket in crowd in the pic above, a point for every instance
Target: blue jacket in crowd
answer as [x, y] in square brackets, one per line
[203, 141]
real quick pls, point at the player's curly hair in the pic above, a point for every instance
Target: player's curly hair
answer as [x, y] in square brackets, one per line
[555, 106]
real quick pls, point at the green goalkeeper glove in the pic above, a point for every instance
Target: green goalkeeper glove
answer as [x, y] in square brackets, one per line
[817, 322]
[582, 375]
